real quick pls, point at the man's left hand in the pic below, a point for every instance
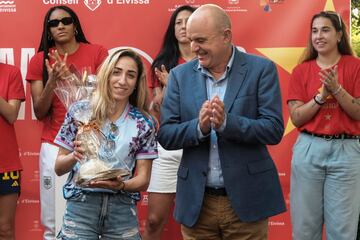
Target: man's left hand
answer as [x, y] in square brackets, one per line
[218, 113]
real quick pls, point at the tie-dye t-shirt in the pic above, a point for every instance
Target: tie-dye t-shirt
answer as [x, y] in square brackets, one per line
[135, 140]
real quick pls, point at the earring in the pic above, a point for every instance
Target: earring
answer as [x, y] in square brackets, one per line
[76, 32]
[339, 40]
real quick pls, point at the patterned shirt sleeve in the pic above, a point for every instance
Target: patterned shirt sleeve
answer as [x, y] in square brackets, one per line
[67, 132]
[148, 144]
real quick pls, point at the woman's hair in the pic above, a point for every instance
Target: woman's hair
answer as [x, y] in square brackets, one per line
[48, 42]
[103, 100]
[169, 53]
[344, 46]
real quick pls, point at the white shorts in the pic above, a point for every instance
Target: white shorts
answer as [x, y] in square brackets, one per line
[164, 171]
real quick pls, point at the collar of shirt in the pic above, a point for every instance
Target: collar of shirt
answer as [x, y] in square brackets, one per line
[228, 67]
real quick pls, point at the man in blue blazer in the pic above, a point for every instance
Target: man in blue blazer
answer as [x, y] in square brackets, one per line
[222, 110]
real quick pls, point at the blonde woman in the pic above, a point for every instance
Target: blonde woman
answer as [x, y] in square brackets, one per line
[107, 209]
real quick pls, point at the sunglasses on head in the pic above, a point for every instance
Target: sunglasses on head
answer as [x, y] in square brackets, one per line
[56, 22]
[109, 144]
[334, 14]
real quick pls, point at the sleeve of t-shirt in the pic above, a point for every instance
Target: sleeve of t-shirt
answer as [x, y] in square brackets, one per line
[16, 87]
[101, 55]
[35, 68]
[357, 82]
[148, 142]
[67, 132]
[296, 89]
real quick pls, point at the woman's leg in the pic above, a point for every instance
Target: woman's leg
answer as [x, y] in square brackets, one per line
[159, 207]
[82, 217]
[342, 190]
[48, 153]
[7, 216]
[307, 184]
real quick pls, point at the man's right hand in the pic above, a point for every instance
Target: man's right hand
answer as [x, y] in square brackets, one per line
[204, 118]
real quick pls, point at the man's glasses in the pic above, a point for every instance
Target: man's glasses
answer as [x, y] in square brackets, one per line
[56, 22]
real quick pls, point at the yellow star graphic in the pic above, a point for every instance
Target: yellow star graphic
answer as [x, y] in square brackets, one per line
[288, 58]
[329, 6]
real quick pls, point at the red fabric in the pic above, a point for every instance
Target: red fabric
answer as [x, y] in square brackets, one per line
[87, 55]
[331, 119]
[156, 83]
[11, 87]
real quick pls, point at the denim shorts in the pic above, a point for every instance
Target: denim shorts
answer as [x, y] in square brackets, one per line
[95, 215]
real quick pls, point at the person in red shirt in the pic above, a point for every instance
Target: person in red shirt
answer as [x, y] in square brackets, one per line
[324, 104]
[63, 34]
[11, 96]
[175, 50]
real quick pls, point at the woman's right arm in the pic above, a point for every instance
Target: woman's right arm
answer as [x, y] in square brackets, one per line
[42, 97]
[301, 113]
[66, 159]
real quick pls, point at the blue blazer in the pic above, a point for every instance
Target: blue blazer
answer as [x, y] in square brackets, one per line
[254, 119]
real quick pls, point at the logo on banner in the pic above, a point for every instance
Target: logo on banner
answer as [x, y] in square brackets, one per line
[92, 4]
[7, 6]
[233, 1]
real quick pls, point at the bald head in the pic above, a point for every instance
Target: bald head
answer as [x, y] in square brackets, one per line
[209, 31]
[213, 15]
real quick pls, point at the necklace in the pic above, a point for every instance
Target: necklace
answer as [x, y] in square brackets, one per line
[328, 65]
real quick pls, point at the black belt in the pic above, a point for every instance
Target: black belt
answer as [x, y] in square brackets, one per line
[216, 191]
[336, 136]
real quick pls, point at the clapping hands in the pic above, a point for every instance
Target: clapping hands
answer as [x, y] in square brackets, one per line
[162, 75]
[57, 70]
[329, 78]
[212, 115]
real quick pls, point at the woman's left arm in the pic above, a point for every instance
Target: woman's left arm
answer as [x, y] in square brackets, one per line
[141, 180]
[9, 109]
[348, 103]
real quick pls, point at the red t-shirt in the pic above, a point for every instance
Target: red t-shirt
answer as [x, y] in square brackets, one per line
[88, 56]
[11, 87]
[331, 119]
[153, 83]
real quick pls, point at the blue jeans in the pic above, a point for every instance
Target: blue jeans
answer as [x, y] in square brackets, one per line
[93, 214]
[325, 188]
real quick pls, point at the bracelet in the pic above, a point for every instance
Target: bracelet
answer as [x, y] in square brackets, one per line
[337, 90]
[319, 100]
[121, 186]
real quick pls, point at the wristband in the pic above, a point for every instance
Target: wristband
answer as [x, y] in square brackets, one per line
[319, 100]
[122, 186]
[337, 90]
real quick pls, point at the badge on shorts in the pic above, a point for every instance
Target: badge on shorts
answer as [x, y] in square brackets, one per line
[47, 182]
